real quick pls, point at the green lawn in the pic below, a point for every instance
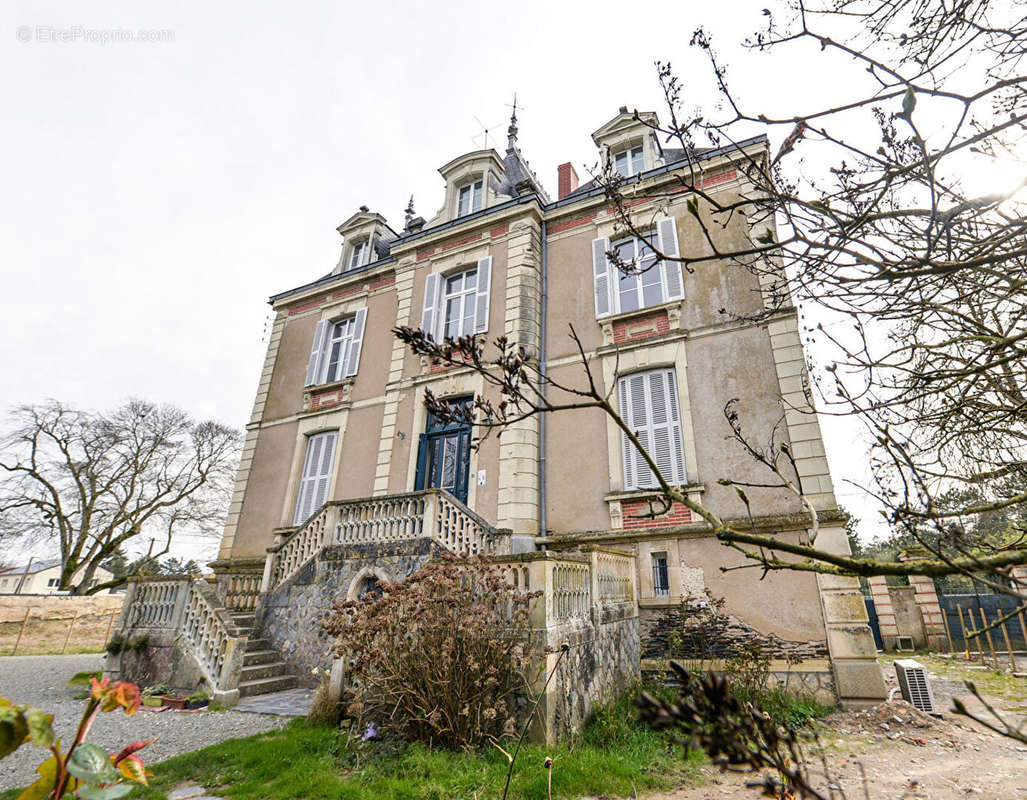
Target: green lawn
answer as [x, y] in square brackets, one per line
[614, 757]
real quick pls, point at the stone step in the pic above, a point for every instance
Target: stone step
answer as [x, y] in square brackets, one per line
[270, 669]
[252, 657]
[266, 685]
[253, 645]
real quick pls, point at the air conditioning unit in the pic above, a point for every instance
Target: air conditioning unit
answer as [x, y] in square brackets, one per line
[914, 685]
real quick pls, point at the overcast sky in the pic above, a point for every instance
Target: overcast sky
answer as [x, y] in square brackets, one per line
[154, 194]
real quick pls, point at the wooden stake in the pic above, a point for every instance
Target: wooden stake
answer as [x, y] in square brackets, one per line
[962, 628]
[945, 621]
[1023, 628]
[71, 627]
[991, 644]
[1009, 645]
[24, 622]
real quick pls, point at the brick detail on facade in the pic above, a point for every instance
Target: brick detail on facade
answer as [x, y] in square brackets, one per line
[317, 302]
[885, 611]
[630, 330]
[499, 230]
[632, 509]
[305, 306]
[326, 399]
[574, 222]
[381, 283]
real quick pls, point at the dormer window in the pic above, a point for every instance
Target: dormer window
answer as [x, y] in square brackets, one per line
[359, 254]
[469, 199]
[629, 161]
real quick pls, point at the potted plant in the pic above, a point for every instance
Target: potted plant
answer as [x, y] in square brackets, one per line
[198, 699]
[153, 696]
[174, 701]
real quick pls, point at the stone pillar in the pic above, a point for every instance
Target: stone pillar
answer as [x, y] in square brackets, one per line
[857, 674]
[885, 611]
[927, 602]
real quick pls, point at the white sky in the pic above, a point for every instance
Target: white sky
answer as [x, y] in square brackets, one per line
[154, 195]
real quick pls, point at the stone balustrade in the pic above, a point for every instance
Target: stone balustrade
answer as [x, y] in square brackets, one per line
[176, 613]
[433, 513]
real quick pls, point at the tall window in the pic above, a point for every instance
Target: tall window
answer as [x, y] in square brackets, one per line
[335, 353]
[649, 405]
[648, 282]
[359, 253]
[643, 285]
[317, 475]
[469, 199]
[457, 305]
[661, 580]
[458, 296]
[629, 162]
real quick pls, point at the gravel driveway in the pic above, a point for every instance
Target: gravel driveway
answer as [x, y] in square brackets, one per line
[42, 681]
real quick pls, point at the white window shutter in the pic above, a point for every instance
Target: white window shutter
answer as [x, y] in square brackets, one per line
[627, 450]
[430, 314]
[317, 475]
[317, 352]
[601, 277]
[668, 244]
[353, 357]
[481, 306]
[649, 406]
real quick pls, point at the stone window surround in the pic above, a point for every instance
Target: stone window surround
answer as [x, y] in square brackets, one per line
[484, 166]
[463, 383]
[683, 581]
[336, 312]
[666, 355]
[457, 260]
[333, 420]
[629, 136]
[363, 575]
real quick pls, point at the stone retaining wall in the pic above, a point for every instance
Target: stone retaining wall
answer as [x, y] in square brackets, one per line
[291, 617]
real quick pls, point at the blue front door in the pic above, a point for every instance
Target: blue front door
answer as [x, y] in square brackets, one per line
[444, 456]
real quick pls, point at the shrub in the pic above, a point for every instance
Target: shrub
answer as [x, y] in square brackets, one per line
[324, 708]
[441, 656]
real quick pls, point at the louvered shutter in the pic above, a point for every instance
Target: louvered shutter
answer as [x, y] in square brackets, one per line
[601, 277]
[430, 314]
[481, 306]
[668, 244]
[353, 357]
[649, 406]
[317, 351]
[317, 475]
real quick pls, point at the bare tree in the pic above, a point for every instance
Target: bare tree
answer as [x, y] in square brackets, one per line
[862, 217]
[90, 483]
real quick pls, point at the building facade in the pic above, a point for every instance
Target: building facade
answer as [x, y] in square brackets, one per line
[42, 577]
[339, 414]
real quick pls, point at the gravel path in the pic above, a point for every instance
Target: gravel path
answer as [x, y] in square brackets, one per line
[42, 681]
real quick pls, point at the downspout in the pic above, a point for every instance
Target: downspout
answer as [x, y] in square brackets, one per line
[542, 386]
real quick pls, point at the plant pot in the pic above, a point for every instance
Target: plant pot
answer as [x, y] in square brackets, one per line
[194, 704]
[177, 703]
[153, 702]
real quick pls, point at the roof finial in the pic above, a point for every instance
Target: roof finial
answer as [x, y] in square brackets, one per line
[511, 132]
[409, 211]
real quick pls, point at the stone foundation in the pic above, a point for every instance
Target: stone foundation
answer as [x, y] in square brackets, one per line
[291, 617]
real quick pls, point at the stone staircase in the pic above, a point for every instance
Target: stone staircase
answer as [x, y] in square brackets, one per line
[263, 670]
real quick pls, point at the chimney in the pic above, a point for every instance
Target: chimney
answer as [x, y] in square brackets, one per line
[566, 180]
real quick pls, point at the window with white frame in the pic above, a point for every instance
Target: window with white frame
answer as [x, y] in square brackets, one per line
[335, 353]
[53, 582]
[318, 463]
[457, 304]
[661, 577]
[650, 280]
[649, 406]
[629, 161]
[469, 198]
[359, 253]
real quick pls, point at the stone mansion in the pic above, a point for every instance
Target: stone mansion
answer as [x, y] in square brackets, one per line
[346, 479]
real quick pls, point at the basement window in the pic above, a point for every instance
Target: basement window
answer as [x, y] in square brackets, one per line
[661, 578]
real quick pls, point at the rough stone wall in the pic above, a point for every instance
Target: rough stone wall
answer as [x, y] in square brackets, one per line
[602, 661]
[165, 659]
[291, 616]
[690, 631]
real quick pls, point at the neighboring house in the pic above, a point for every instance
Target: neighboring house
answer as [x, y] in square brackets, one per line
[339, 413]
[42, 577]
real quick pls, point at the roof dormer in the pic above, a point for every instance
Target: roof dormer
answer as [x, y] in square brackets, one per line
[630, 142]
[366, 237]
[472, 183]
